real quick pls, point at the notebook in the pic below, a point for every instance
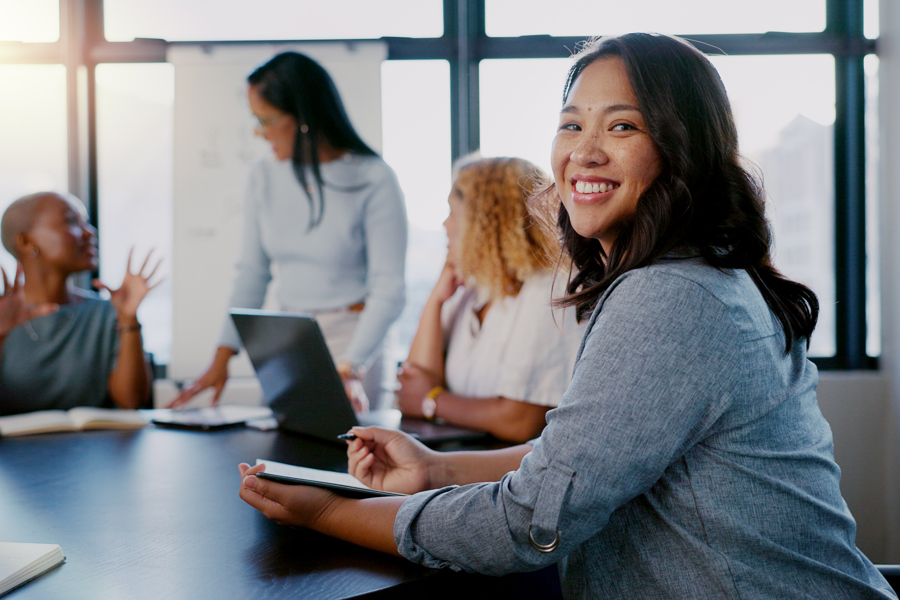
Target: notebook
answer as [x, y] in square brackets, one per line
[342, 483]
[301, 385]
[74, 419]
[20, 563]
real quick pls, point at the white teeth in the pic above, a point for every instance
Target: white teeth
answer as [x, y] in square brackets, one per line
[594, 188]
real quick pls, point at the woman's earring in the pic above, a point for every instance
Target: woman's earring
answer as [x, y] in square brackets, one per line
[304, 128]
[34, 252]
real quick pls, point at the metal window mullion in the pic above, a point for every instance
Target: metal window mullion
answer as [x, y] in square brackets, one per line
[844, 18]
[93, 37]
[464, 24]
[71, 40]
[850, 212]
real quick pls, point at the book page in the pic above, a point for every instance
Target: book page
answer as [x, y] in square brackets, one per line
[40, 421]
[345, 479]
[86, 417]
[20, 563]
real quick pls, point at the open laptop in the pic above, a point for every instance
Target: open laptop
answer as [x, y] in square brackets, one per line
[302, 387]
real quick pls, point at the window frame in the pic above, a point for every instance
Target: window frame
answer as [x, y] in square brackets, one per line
[82, 46]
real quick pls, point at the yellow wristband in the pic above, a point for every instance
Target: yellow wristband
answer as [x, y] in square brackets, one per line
[435, 392]
[429, 402]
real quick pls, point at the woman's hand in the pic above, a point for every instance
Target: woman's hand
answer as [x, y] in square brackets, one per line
[14, 310]
[215, 377]
[446, 284]
[390, 460]
[295, 505]
[135, 286]
[413, 383]
[353, 386]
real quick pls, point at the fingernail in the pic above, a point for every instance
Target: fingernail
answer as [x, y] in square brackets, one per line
[250, 482]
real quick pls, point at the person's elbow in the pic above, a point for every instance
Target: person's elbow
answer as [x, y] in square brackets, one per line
[132, 399]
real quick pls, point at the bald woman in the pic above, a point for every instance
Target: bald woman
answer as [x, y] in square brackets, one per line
[60, 346]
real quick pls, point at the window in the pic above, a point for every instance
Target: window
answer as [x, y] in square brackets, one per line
[465, 84]
[518, 117]
[134, 141]
[507, 18]
[789, 136]
[870, 22]
[176, 20]
[873, 265]
[416, 133]
[33, 154]
[29, 20]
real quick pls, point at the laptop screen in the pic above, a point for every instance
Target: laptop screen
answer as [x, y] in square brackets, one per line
[296, 372]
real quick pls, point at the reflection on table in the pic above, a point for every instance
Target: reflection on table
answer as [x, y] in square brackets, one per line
[155, 514]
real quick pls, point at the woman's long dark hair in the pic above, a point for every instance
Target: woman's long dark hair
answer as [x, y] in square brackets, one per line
[297, 85]
[703, 198]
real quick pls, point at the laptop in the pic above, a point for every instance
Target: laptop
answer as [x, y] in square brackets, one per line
[301, 385]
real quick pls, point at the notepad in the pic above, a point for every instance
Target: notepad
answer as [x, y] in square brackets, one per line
[20, 563]
[343, 483]
[74, 419]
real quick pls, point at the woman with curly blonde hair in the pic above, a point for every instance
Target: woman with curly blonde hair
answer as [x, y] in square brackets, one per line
[489, 352]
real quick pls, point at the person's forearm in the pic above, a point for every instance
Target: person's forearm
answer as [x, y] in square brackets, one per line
[223, 355]
[505, 419]
[368, 523]
[427, 348]
[129, 383]
[462, 468]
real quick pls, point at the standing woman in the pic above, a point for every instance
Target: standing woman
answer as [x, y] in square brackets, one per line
[688, 458]
[90, 351]
[328, 213]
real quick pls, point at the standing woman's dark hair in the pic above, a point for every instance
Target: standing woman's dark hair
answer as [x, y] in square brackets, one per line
[704, 200]
[298, 86]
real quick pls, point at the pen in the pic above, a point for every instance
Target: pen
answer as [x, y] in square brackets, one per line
[348, 437]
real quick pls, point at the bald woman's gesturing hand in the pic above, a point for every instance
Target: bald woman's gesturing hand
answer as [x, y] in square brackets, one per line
[14, 310]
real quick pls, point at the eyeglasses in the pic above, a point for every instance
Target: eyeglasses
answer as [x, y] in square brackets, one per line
[264, 123]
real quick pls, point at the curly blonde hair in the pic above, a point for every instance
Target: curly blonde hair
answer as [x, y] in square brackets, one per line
[501, 244]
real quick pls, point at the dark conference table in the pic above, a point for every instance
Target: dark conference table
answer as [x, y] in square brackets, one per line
[155, 513]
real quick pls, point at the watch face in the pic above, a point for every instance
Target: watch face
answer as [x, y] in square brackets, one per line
[429, 406]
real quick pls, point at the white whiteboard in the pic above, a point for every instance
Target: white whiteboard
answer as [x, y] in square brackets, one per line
[214, 149]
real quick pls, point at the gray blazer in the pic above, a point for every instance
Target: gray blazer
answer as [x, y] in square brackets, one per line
[688, 459]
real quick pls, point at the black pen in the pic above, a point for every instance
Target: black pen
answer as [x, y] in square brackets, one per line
[347, 437]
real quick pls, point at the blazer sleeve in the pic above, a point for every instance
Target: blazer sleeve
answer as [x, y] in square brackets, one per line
[651, 378]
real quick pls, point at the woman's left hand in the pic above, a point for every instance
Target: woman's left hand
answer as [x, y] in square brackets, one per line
[134, 288]
[414, 383]
[295, 505]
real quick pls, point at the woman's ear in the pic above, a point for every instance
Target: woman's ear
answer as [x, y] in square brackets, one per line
[25, 248]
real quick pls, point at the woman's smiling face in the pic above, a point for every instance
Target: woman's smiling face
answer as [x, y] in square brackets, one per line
[603, 157]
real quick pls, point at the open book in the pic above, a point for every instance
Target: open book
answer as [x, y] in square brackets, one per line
[343, 483]
[74, 419]
[20, 563]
